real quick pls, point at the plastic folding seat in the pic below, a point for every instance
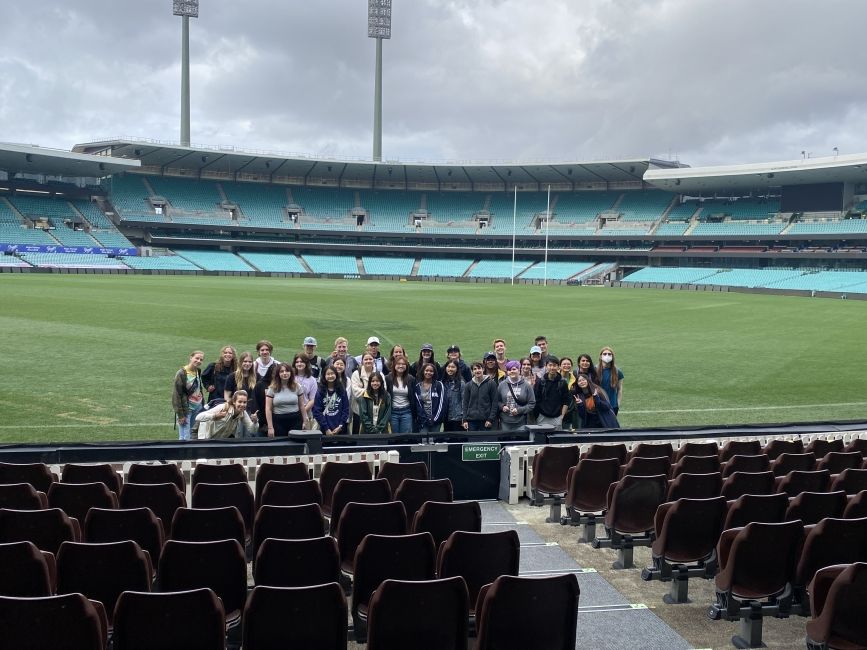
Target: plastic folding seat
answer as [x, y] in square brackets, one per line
[764, 508]
[208, 525]
[384, 557]
[103, 571]
[740, 463]
[632, 504]
[601, 451]
[710, 448]
[22, 496]
[696, 465]
[441, 519]
[831, 541]
[694, 486]
[740, 483]
[75, 499]
[220, 495]
[116, 525]
[839, 593]
[796, 482]
[331, 475]
[812, 507]
[157, 473]
[98, 473]
[24, 571]
[651, 450]
[290, 493]
[278, 472]
[67, 621]
[48, 529]
[297, 562]
[37, 474]
[313, 618]
[836, 461]
[820, 447]
[361, 519]
[786, 463]
[192, 620]
[422, 615]
[414, 493]
[587, 493]
[358, 491]
[856, 508]
[739, 448]
[394, 473]
[228, 473]
[851, 481]
[550, 468]
[856, 444]
[287, 522]
[776, 447]
[641, 466]
[216, 565]
[687, 531]
[162, 499]
[479, 558]
[516, 613]
[757, 567]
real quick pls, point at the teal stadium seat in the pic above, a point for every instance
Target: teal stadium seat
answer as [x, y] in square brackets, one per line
[215, 260]
[443, 268]
[274, 262]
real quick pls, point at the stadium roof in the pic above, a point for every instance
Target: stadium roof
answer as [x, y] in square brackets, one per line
[832, 169]
[32, 159]
[230, 160]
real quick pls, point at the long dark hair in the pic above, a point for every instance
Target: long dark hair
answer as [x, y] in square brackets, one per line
[456, 378]
[591, 386]
[339, 388]
[277, 382]
[380, 394]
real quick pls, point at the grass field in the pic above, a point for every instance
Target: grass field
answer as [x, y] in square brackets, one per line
[91, 358]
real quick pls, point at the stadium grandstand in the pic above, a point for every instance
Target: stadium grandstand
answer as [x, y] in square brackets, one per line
[142, 207]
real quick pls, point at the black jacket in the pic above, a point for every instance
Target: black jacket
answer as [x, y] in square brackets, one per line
[551, 396]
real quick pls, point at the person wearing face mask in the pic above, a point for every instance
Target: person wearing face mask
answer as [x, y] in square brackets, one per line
[592, 405]
[610, 378]
[479, 400]
[515, 399]
[188, 394]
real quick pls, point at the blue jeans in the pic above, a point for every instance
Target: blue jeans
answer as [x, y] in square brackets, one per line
[477, 425]
[401, 420]
[184, 429]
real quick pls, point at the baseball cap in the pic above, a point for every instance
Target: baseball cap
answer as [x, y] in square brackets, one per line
[373, 339]
[489, 355]
[535, 350]
[453, 348]
[309, 341]
[427, 346]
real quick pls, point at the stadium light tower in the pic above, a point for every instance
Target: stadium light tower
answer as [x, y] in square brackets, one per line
[378, 27]
[186, 9]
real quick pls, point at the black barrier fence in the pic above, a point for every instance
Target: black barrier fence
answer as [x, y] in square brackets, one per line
[472, 460]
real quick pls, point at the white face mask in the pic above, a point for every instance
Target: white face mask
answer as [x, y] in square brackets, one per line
[607, 358]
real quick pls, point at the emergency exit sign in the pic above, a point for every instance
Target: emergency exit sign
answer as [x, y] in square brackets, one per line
[488, 451]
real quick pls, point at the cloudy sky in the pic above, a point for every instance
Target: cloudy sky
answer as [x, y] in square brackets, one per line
[706, 81]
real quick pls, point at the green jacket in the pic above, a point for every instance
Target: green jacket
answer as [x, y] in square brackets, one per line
[365, 412]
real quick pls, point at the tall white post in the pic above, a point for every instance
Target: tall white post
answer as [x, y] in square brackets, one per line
[514, 229]
[547, 230]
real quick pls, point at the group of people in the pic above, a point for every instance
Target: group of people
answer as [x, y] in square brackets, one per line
[241, 395]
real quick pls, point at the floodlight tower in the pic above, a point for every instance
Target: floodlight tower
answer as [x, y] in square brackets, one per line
[186, 9]
[378, 27]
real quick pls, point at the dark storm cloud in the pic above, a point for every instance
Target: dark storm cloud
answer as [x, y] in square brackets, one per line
[711, 82]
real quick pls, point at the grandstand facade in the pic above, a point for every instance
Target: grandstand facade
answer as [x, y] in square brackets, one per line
[126, 206]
